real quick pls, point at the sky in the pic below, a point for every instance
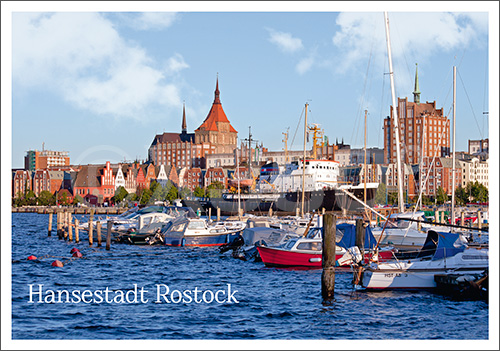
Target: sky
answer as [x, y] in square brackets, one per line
[101, 80]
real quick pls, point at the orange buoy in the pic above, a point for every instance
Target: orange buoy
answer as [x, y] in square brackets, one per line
[57, 263]
[31, 257]
[77, 254]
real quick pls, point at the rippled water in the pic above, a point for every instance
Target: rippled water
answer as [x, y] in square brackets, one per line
[272, 303]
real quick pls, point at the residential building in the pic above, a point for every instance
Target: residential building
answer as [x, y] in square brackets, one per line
[44, 159]
[21, 182]
[474, 170]
[424, 130]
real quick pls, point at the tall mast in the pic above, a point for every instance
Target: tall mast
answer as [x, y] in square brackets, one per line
[395, 117]
[285, 140]
[364, 169]
[239, 192]
[454, 170]
[304, 163]
[249, 151]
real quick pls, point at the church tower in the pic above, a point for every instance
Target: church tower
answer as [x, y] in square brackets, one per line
[216, 128]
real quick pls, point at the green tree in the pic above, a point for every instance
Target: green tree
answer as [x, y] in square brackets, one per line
[184, 192]
[215, 189]
[199, 192]
[380, 195]
[461, 196]
[145, 196]
[172, 194]
[120, 194]
[46, 198]
[62, 198]
[77, 199]
[30, 198]
[441, 196]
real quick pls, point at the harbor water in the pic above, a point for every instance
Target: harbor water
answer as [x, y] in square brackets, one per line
[266, 303]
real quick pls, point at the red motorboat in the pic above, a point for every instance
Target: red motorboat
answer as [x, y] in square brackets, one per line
[305, 252]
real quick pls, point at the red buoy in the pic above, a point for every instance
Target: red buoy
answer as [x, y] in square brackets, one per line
[74, 250]
[77, 254]
[57, 263]
[31, 257]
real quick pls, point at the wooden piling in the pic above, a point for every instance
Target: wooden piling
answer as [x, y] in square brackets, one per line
[270, 211]
[91, 231]
[323, 210]
[98, 232]
[50, 224]
[70, 227]
[462, 218]
[108, 235]
[209, 214]
[77, 238]
[479, 225]
[360, 236]
[328, 257]
[218, 214]
[65, 224]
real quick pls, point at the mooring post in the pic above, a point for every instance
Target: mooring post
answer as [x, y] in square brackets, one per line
[91, 231]
[479, 219]
[323, 210]
[328, 256]
[77, 238]
[65, 224]
[218, 214]
[360, 235]
[70, 227]
[270, 211]
[50, 224]
[462, 218]
[108, 235]
[98, 230]
[210, 214]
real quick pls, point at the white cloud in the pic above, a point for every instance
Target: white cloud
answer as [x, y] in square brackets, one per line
[305, 64]
[149, 20]
[176, 64]
[285, 41]
[416, 35]
[83, 58]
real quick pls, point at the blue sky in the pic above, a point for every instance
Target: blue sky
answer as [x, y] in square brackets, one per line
[100, 82]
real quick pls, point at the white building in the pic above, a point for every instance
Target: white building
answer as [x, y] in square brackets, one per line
[474, 170]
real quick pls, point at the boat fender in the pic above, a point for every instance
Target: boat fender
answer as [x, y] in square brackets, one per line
[352, 256]
[77, 254]
[57, 263]
[31, 257]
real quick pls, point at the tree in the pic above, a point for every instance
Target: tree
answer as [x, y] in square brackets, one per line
[62, 198]
[46, 198]
[199, 192]
[184, 192]
[380, 195]
[461, 196]
[120, 194]
[172, 194]
[30, 198]
[441, 196]
[476, 192]
[145, 196]
[215, 189]
[77, 199]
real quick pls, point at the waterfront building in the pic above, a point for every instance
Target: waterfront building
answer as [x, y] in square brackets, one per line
[21, 182]
[44, 159]
[473, 170]
[439, 174]
[41, 181]
[162, 177]
[216, 174]
[193, 178]
[119, 177]
[478, 146]
[95, 183]
[424, 130]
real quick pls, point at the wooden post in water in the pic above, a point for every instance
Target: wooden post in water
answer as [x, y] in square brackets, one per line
[209, 214]
[218, 214]
[360, 236]
[77, 238]
[462, 218]
[98, 230]
[65, 224]
[270, 211]
[323, 211]
[328, 257]
[70, 227]
[479, 219]
[108, 235]
[91, 230]
[50, 224]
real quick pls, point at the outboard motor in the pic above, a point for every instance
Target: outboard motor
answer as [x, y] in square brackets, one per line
[352, 256]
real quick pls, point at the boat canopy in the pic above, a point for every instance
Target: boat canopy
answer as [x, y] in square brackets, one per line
[347, 234]
[441, 245]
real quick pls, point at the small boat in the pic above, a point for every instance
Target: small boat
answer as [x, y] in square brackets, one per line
[307, 251]
[442, 253]
[197, 232]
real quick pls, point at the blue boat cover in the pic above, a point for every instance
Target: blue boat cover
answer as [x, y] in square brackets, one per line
[448, 245]
[347, 234]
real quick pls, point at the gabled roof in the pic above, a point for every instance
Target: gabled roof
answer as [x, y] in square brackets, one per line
[88, 177]
[216, 115]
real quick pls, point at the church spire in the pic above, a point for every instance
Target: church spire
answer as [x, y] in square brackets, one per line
[217, 100]
[416, 92]
[184, 124]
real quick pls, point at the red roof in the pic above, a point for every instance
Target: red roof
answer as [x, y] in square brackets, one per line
[215, 115]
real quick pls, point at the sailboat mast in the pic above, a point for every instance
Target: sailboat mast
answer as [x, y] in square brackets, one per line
[304, 162]
[239, 192]
[364, 169]
[395, 117]
[453, 170]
